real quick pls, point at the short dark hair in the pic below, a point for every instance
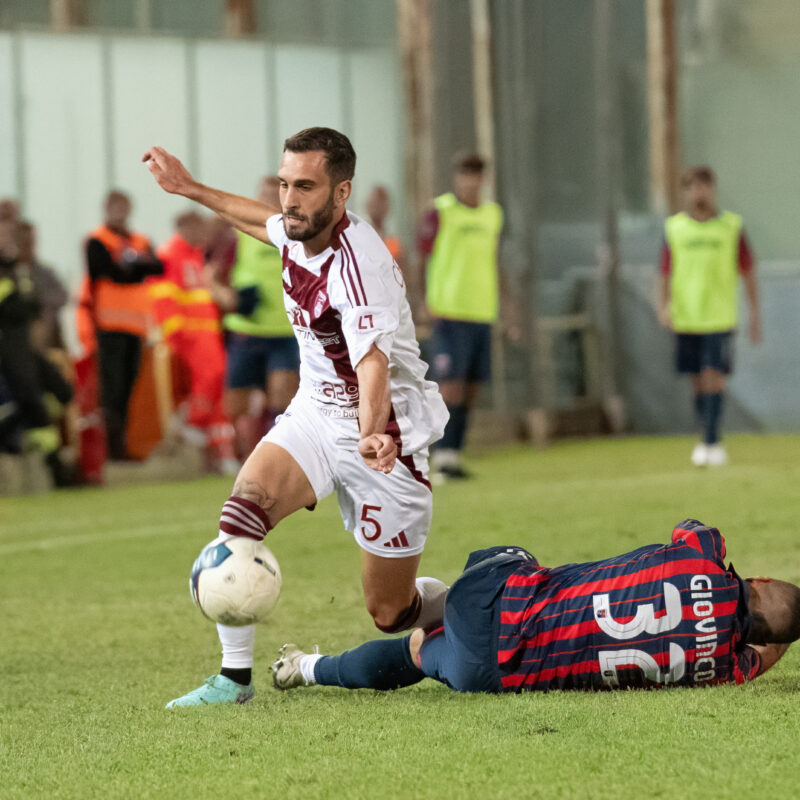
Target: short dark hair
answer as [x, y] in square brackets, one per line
[469, 162]
[785, 626]
[700, 173]
[114, 195]
[340, 158]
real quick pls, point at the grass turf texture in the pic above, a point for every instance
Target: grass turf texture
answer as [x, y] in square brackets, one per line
[98, 632]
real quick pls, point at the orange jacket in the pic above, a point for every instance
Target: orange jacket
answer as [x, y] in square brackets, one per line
[183, 302]
[113, 296]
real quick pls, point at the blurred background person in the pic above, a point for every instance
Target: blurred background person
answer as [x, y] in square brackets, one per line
[115, 312]
[704, 252]
[190, 324]
[45, 333]
[34, 386]
[9, 217]
[458, 240]
[261, 347]
[50, 291]
[378, 206]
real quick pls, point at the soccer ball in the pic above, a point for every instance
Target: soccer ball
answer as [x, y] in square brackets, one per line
[235, 582]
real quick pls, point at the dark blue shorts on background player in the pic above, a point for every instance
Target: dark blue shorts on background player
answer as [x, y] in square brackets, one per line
[695, 352]
[462, 351]
[252, 358]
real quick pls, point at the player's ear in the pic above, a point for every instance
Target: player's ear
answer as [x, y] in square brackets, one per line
[342, 192]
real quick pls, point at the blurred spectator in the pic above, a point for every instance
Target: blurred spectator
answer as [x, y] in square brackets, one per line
[9, 217]
[115, 311]
[704, 252]
[50, 291]
[45, 333]
[35, 392]
[378, 207]
[458, 240]
[262, 349]
[191, 327]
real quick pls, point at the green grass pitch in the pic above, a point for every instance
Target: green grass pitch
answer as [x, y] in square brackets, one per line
[97, 632]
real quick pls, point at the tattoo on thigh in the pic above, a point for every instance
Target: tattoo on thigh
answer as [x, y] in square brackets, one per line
[254, 492]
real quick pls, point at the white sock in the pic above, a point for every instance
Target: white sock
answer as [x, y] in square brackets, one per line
[307, 663]
[237, 645]
[432, 592]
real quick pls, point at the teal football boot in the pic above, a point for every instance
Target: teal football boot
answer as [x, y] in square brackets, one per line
[216, 689]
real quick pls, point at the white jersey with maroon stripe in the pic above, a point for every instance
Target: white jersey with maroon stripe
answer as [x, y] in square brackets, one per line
[340, 303]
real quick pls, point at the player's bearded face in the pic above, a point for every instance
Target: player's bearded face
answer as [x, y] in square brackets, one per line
[302, 227]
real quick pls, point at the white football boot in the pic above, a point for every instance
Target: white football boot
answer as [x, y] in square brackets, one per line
[700, 455]
[286, 671]
[717, 457]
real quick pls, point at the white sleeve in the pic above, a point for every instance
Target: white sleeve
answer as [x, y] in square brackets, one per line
[369, 299]
[276, 231]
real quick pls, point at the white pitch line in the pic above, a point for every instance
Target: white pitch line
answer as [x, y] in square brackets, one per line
[55, 543]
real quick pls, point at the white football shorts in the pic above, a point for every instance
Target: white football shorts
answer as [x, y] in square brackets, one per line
[389, 515]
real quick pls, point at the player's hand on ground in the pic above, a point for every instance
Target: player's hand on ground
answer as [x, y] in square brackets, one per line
[169, 172]
[378, 451]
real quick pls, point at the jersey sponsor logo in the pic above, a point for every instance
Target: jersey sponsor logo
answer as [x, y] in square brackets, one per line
[365, 322]
[299, 318]
[310, 335]
[337, 392]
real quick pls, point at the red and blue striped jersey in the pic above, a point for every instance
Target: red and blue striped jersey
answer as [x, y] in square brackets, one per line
[660, 615]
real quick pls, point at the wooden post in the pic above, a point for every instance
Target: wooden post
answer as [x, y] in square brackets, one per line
[662, 69]
[415, 33]
[66, 14]
[415, 36]
[608, 179]
[240, 18]
[484, 134]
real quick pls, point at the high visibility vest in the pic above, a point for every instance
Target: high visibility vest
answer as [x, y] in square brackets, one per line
[112, 306]
[704, 272]
[259, 264]
[182, 302]
[462, 279]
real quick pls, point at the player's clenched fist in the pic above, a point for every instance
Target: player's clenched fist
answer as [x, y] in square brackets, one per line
[378, 451]
[169, 172]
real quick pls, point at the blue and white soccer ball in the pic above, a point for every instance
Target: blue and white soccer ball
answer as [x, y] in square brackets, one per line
[235, 582]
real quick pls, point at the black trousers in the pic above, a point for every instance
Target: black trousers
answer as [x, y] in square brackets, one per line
[119, 355]
[29, 375]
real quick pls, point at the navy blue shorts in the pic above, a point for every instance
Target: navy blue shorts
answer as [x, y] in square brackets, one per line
[462, 351]
[463, 653]
[252, 358]
[695, 352]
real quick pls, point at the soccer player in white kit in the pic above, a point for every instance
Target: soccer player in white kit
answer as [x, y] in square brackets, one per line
[364, 415]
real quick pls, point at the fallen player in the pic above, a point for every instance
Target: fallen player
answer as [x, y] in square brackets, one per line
[658, 616]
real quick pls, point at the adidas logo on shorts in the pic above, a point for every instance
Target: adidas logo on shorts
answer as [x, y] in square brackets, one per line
[397, 541]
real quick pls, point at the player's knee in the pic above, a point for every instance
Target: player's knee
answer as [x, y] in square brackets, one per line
[389, 619]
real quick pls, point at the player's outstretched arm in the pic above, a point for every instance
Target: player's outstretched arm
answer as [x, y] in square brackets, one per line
[248, 215]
